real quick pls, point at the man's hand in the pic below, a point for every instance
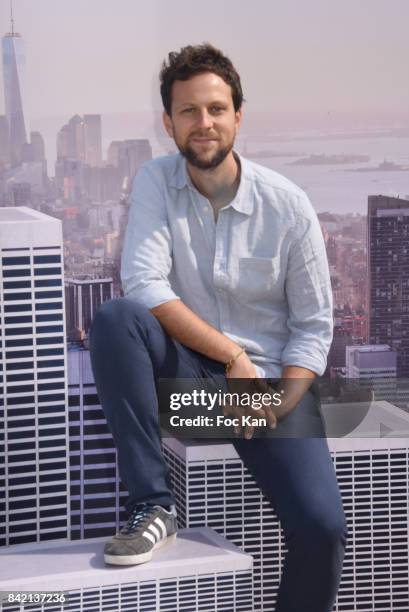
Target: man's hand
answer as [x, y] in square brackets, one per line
[243, 368]
[294, 383]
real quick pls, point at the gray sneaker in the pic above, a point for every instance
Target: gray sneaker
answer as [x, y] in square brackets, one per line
[149, 527]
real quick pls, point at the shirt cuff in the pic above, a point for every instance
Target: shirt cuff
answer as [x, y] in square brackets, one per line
[305, 360]
[150, 297]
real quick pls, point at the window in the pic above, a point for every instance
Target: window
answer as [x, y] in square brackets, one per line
[47, 352]
[15, 261]
[46, 271]
[8, 297]
[48, 317]
[48, 282]
[17, 284]
[42, 295]
[47, 259]
[49, 329]
[49, 306]
[17, 308]
[18, 272]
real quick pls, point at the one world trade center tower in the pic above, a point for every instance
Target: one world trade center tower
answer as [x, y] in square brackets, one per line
[14, 75]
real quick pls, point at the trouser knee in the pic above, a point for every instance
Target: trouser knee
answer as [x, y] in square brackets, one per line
[327, 533]
[116, 314]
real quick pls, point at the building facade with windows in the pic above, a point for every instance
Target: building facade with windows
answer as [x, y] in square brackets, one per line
[34, 487]
[388, 276]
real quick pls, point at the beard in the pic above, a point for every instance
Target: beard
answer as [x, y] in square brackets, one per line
[204, 164]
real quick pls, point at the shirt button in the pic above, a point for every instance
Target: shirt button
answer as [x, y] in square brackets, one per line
[206, 208]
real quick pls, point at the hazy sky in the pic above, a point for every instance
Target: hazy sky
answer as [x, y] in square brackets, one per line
[103, 56]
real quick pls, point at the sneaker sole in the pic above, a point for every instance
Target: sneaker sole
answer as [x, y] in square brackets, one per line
[141, 558]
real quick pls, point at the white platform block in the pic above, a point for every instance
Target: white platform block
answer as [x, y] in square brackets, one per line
[213, 488]
[199, 571]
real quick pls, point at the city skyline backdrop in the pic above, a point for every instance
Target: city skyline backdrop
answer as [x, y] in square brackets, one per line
[310, 58]
[320, 105]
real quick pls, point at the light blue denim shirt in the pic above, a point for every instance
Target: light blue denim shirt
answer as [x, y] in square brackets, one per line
[259, 275]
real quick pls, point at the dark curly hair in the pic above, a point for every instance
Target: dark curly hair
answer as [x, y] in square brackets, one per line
[193, 60]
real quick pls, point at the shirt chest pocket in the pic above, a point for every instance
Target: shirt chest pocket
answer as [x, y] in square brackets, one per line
[258, 277]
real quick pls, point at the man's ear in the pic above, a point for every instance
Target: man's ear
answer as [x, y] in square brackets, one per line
[167, 122]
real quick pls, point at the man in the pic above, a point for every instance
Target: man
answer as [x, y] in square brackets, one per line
[224, 274]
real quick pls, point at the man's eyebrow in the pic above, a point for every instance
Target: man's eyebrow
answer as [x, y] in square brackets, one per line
[219, 102]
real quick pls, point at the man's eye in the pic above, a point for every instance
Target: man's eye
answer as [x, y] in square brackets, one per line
[188, 110]
[217, 109]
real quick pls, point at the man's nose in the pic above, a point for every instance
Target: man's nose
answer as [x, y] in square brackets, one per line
[205, 121]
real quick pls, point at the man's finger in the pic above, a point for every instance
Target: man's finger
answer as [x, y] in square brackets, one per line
[271, 417]
[249, 432]
[237, 414]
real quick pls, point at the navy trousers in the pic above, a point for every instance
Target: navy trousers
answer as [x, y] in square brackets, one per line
[129, 351]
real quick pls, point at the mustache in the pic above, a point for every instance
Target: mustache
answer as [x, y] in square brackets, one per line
[211, 136]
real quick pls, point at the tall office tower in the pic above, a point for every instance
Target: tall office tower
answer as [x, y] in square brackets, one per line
[4, 142]
[97, 495]
[80, 139]
[92, 140]
[101, 184]
[388, 276]
[83, 295]
[37, 147]
[113, 153]
[15, 94]
[69, 178]
[70, 140]
[34, 426]
[213, 488]
[63, 143]
[132, 154]
[342, 338]
[128, 156]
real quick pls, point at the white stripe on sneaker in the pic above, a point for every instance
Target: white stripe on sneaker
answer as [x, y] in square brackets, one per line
[155, 532]
[150, 537]
[162, 525]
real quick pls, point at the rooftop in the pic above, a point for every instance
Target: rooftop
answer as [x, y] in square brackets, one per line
[72, 565]
[11, 214]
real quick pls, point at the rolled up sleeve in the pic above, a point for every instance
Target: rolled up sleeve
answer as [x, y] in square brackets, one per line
[309, 295]
[146, 258]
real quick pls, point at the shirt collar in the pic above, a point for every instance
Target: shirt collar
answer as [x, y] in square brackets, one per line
[243, 201]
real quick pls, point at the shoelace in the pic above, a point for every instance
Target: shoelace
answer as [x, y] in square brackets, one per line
[138, 514]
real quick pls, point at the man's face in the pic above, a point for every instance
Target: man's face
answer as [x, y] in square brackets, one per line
[203, 122]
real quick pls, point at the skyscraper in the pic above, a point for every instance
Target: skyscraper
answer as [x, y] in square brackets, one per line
[388, 276]
[70, 140]
[342, 338]
[80, 140]
[37, 147]
[92, 140]
[83, 296]
[4, 141]
[131, 155]
[213, 487]
[33, 396]
[14, 75]
[97, 494]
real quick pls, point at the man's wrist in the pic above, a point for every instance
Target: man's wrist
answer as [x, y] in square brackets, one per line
[233, 360]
